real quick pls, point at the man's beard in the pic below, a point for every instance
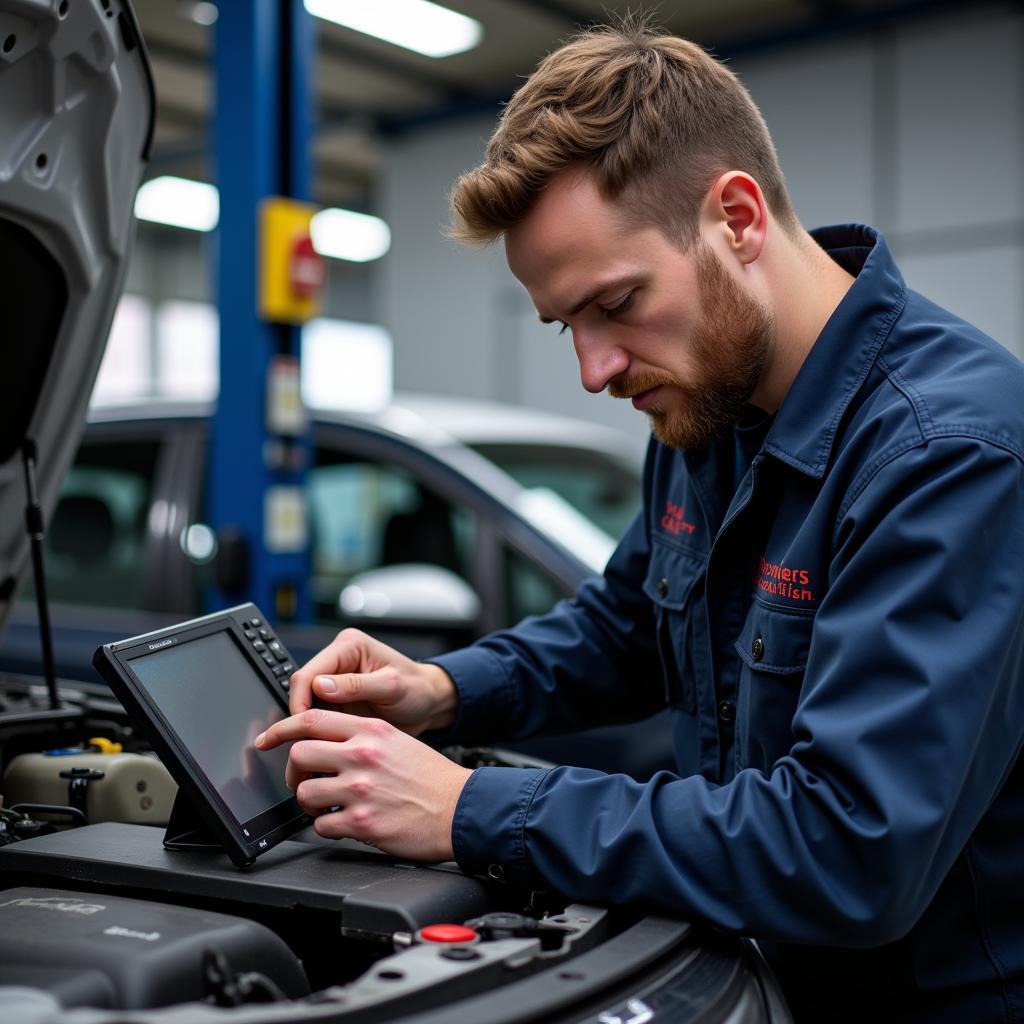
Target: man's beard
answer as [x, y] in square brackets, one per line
[730, 349]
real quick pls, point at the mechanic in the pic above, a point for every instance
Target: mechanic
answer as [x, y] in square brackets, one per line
[826, 583]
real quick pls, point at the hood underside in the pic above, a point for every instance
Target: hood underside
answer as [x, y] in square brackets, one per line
[76, 119]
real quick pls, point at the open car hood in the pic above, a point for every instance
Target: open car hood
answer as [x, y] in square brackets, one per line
[76, 119]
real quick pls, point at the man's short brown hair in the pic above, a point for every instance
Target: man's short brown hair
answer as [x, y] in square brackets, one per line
[653, 116]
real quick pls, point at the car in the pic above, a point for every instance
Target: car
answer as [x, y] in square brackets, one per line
[432, 521]
[103, 915]
[440, 481]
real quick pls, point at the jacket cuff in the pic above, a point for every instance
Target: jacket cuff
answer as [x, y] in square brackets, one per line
[487, 697]
[488, 830]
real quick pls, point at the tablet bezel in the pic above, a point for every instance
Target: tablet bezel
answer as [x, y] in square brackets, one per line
[243, 840]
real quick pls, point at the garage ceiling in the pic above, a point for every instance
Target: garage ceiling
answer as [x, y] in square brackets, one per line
[367, 90]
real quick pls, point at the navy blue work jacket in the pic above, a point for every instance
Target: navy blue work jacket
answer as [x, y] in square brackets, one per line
[840, 636]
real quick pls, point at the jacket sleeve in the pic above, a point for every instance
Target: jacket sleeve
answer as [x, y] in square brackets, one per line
[908, 722]
[590, 661]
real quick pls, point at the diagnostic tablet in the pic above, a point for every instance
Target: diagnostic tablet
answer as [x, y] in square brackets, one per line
[201, 692]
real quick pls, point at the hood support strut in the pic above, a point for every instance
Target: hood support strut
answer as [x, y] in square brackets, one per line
[34, 523]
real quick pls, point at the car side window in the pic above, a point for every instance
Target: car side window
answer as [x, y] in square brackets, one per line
[528, 589]
[606, 491]
[367, 514]
[96, 538]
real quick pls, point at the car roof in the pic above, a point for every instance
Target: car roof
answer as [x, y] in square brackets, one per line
[477, 422]
[432, 421]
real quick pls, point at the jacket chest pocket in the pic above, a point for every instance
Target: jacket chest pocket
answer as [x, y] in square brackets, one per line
[675, 587]
[773, 648]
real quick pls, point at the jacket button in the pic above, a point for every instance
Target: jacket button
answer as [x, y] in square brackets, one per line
[726, 710]
[663, 587]
[757, 649]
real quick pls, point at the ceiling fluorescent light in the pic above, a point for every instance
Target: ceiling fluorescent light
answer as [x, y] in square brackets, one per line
[347, 235]
[339, 234]
[418, 25]
[203, 13]
[179, 202]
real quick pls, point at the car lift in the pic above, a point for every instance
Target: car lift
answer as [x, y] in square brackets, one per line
[264, 60]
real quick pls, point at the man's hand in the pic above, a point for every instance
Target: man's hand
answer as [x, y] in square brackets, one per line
[375, 681]
[390, 790]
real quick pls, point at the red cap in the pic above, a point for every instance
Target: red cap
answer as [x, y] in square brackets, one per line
[447, 933]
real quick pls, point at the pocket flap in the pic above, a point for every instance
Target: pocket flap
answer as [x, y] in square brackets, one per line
[775, 641]
[671, 576]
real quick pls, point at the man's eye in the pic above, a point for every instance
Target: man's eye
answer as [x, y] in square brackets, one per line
[622, 307]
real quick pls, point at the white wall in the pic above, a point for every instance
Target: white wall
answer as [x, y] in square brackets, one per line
[919, 131]
[169, 264]
[461, 323]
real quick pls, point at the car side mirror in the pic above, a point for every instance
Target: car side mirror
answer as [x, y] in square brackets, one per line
[411, 594]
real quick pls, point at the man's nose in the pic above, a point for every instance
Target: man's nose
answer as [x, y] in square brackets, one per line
[600, 362]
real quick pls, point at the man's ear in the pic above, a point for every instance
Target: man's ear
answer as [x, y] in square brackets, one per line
[735, 211]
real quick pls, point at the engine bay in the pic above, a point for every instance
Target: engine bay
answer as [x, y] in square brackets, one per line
[95, 912]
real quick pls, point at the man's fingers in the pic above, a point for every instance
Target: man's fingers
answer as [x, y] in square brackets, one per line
[293, 778]
[333, 826]
[315, 756]
[357, 687]
[346, 823]
[312, 724]
[316, 795]
[345, 654]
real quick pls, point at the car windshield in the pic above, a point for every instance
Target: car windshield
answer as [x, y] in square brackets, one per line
[602, 488]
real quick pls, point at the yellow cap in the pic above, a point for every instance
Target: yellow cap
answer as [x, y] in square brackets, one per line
[105, 746]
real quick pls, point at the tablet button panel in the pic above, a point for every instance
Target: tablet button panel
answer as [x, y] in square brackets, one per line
[270, 650]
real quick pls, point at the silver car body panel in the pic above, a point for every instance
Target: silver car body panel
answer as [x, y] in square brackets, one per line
[76, 116]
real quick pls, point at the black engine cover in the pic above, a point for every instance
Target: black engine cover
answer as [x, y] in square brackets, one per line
[117, 953]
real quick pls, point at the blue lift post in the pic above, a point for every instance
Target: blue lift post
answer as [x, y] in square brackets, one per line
[264, 55]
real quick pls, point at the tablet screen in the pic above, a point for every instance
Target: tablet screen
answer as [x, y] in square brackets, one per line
[207, 689]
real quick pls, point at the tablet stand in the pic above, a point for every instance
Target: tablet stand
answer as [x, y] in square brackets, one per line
[186, 830]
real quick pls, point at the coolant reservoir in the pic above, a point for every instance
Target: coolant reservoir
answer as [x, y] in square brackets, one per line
[131, 788]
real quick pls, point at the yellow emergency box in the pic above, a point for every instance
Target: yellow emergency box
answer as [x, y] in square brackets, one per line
[292, 272]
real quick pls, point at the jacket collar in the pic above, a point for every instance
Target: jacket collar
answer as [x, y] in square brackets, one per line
[841, 358]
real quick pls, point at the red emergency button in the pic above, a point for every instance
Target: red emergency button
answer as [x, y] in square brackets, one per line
[447, 933]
